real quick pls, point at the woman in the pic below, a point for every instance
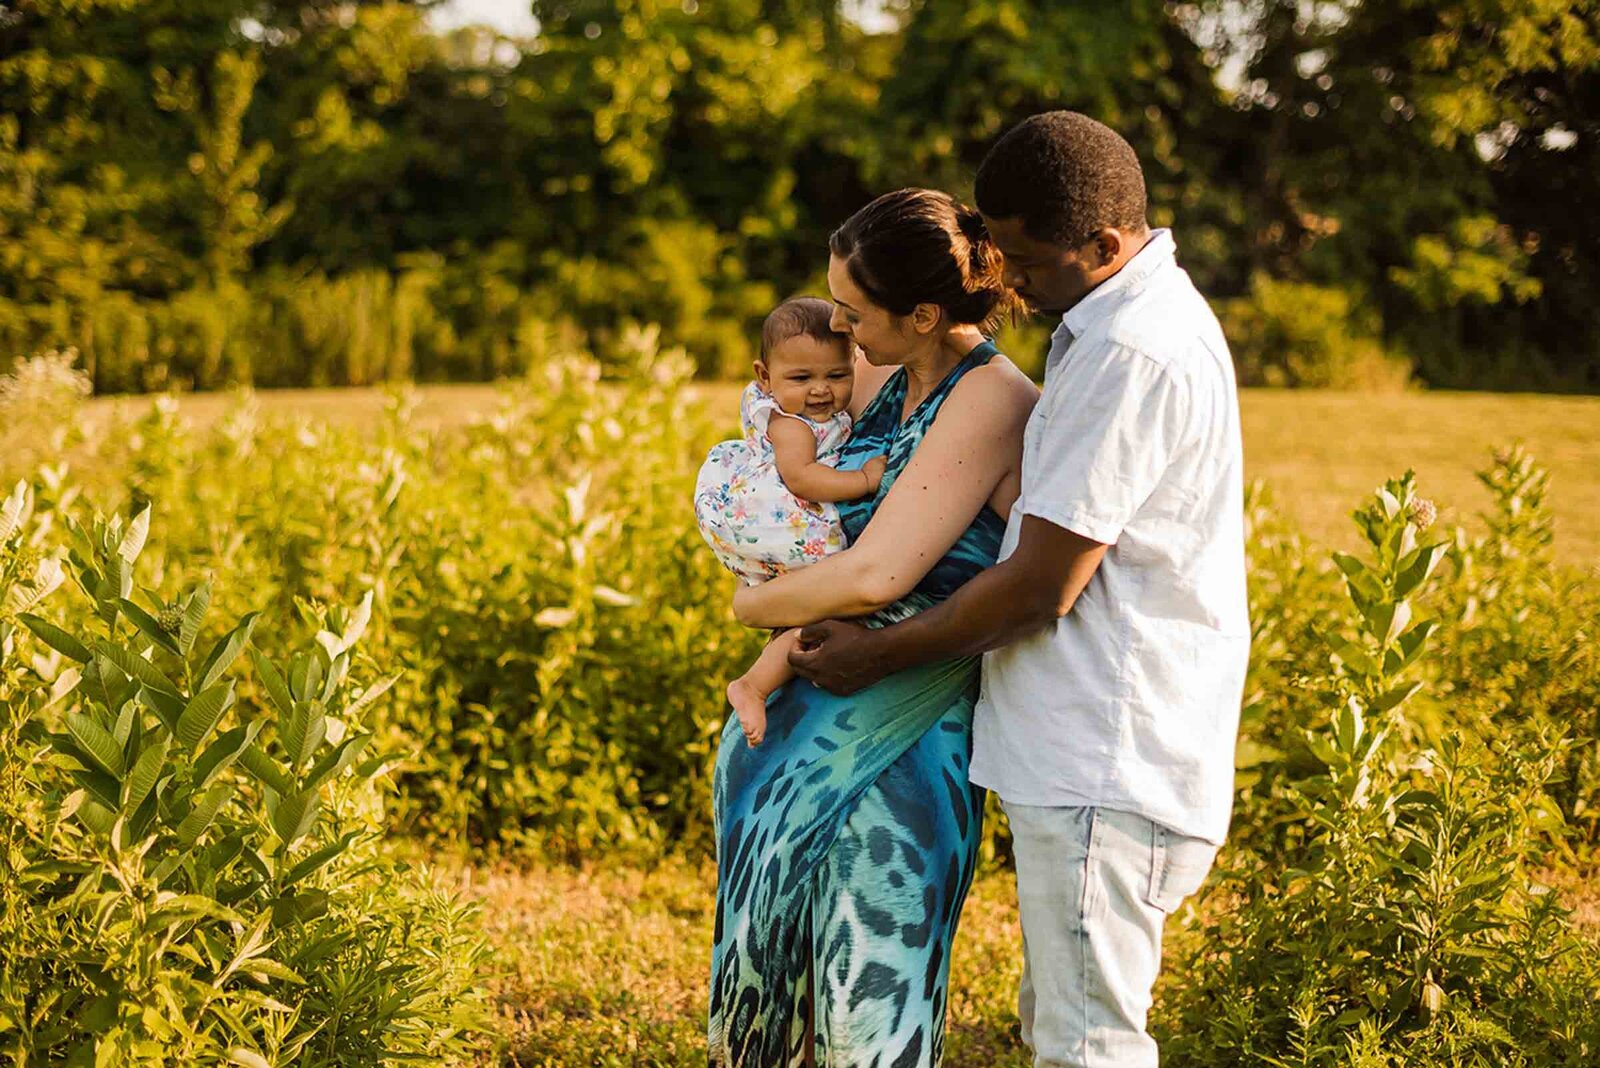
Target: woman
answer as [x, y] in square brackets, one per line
[847, 839]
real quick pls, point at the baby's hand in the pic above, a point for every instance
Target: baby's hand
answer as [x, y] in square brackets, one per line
[874, 469]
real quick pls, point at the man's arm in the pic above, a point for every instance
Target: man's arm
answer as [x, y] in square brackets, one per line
[1036, 585]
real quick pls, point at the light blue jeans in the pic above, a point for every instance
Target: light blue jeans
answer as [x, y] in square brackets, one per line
[1095, 887]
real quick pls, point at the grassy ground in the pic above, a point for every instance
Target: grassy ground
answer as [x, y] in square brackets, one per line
[1321, 452]
[610, 967]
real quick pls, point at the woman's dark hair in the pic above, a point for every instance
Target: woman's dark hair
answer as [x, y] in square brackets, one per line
[1065, 176]
[799, 317]
[921, 246]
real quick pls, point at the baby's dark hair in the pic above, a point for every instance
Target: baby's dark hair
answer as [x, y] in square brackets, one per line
[1065, 176]
[799, 317]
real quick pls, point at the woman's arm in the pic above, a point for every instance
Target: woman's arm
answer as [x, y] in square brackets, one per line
[794, 451]
[975, 441]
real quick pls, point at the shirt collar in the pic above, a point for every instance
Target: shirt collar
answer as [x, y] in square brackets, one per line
[1158, 253]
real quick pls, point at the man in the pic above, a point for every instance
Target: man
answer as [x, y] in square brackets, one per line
[1114, 628]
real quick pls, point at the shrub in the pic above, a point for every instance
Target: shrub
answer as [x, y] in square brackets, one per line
[193, 873]
[1301, 334]
[1394, 918]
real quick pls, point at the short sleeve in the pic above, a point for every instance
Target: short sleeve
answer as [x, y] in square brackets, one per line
[755, 411]
[1107, 438]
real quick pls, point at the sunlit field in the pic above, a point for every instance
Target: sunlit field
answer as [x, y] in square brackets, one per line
[1318, 450]
[464, 686]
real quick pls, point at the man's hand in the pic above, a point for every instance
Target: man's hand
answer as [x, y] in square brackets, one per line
[840, 657]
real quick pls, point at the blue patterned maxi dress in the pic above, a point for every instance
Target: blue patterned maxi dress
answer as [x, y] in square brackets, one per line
[846, 841]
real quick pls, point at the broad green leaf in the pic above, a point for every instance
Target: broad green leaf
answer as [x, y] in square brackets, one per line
[56, 638]
[200, 715]
[135, 666]
[299, 907]
[295, 815]
[371, 694]
[301, 733]
[101, 786]
[227, 650]
[95, 742]
[313, 861]
[146, 771]
[265, 769]
[194, 616]
[133, 542]
[224, 751]
[247, 1058]
[168, 706]
[268, 968]
[272, 681]
[205, 810]
[173, 907]
[12, 510]
[336, 760]
[148, 625]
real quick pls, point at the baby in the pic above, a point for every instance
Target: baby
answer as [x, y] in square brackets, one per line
[765, 503]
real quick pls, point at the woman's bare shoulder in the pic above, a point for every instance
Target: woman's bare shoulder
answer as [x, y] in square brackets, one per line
[998, 386]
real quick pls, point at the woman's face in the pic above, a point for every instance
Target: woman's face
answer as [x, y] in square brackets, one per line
[885, 338]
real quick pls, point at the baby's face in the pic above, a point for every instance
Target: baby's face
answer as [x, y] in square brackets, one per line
[809, 377]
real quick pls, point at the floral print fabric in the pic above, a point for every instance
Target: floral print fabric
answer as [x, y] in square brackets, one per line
[757, 528]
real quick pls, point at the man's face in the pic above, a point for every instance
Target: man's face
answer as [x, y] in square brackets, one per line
[1051, 278]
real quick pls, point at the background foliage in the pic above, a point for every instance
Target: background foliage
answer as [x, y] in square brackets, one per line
[503, 636]
[317, 192]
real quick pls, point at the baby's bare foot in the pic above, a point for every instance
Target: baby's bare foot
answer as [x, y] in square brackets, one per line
[750, 705]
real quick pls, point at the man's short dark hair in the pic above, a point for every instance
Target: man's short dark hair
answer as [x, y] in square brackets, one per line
[1066, 176]
[799, 317]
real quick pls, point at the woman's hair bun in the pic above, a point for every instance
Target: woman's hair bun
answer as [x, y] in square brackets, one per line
[921, 246]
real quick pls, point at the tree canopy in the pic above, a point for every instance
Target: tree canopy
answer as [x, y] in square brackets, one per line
[306, 191]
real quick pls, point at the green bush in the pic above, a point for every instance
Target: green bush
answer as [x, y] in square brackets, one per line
[192, 867]
[1385, 909]
[1300, 334]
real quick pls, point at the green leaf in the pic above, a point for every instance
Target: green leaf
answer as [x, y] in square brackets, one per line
[272, 681]
[311, 862]
[295, 814]
[133, 542]
[146, 771]
[1399, 619]
[371, 694]
[227, 650]
[96, 743]
[102, 786]
[56, 638]
[265, 769]
[135, 666]
[194, 615]
[205, 810]
[299, 907]
[175, 908]
[336, 760]
[148, 626]
[223, 752]
[201, 715]
[168, 706]
[247, 1058]
[301, 733]
[11, 510]
[1395, 697]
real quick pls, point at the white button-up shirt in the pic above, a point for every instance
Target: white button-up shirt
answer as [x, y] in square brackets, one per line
[1131, 700]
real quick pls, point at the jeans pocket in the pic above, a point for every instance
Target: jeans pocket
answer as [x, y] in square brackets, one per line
[1178, 865]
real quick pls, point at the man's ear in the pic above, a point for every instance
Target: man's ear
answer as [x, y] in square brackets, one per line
[1108, 245]
[925, 318]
